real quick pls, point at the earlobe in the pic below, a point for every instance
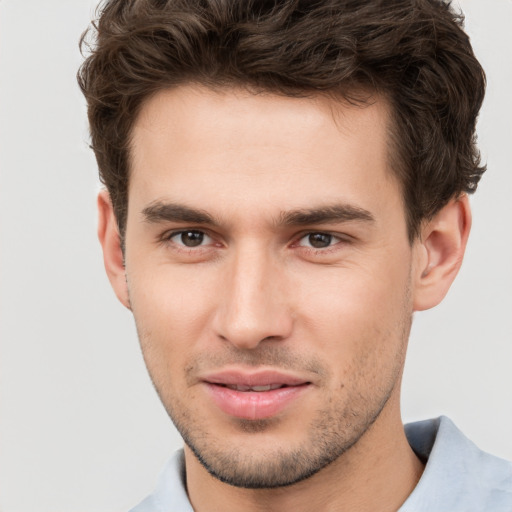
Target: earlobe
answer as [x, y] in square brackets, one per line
[108, 234]
[439, 253]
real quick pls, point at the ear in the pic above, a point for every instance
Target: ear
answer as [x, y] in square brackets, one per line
[108, 234]
[440, 252]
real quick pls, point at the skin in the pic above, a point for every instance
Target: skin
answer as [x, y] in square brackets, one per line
[254, 293]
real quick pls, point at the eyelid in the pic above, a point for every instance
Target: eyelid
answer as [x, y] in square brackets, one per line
[167, 236]
[341, 237]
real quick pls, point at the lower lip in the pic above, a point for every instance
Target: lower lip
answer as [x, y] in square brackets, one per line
[254, 405]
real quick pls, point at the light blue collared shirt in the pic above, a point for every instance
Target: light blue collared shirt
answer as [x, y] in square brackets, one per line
[458, 476]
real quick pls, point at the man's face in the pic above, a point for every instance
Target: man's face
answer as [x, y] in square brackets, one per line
[268, 269]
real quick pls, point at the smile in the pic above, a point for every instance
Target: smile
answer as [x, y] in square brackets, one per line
[241, 387]
[254, 396]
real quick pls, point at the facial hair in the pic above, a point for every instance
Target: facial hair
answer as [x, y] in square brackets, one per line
[335, 427]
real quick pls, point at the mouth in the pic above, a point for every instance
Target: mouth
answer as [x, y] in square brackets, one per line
[244, 388]
[254, 396]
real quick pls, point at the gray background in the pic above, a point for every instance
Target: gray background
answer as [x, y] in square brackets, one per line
[81, 428]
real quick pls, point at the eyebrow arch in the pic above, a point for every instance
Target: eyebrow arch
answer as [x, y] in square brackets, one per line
[172, 212]
[327, 214]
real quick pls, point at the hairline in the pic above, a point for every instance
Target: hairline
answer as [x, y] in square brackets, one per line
[356, 96]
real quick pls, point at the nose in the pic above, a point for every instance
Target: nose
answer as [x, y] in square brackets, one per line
[254, 305]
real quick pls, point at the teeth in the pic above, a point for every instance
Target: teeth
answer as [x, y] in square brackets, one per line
[261, 388]
[237, 387]
[241, 387]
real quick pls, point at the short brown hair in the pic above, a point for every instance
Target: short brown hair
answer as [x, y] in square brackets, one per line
[414, 52]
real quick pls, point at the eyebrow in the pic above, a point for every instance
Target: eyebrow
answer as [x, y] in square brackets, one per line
[173, 212]
[327, 214]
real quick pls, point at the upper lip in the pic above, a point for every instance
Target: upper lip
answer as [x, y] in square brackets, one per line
[253, 378]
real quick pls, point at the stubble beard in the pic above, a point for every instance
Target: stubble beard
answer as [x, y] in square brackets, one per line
[333, 431]
[330, 437]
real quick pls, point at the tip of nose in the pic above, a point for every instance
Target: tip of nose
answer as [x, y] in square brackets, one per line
[248, 323]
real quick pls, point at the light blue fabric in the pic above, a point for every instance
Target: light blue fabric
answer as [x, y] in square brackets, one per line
[458, 476]
[170, 494]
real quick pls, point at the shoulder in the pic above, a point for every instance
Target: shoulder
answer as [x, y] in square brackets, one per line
[458, 475]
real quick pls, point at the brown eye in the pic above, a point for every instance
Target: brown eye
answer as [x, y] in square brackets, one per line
[190, 238]
[319, 240]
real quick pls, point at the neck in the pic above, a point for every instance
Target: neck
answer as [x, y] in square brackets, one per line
[377, 473]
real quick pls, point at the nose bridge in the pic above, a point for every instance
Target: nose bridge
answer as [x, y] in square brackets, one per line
[253, 306]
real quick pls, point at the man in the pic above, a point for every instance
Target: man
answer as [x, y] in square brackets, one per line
[286, 183]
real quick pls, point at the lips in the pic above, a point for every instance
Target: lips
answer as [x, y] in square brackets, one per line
[254, 396]
[242, 387]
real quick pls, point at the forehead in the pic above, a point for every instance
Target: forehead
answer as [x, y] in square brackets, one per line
[230, 147]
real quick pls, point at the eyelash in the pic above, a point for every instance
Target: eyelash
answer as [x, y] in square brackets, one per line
[166, 238]
[335, 241]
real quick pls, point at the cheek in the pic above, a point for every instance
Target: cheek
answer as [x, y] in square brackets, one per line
[171, 310]
[357, 314]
